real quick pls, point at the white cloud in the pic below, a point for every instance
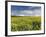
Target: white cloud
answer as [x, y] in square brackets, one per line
[36, 12]
[26, 12]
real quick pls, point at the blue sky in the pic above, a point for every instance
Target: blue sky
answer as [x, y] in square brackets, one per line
[25, 10]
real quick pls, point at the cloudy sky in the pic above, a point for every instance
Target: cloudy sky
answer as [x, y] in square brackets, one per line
[25, 10]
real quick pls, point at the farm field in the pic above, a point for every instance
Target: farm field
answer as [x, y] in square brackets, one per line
[25, 23]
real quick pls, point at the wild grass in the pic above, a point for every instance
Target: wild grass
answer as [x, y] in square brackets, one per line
[25, 23]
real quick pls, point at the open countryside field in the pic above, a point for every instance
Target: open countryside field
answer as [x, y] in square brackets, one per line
[25, 23]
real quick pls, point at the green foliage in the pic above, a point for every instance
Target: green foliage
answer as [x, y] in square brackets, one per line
[25, 23]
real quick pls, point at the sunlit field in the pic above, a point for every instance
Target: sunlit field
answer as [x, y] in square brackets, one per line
[25, 23]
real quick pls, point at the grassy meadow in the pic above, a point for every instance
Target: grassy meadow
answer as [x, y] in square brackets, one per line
[25, 23]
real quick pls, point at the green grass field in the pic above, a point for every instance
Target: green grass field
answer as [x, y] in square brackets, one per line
[25, 23]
